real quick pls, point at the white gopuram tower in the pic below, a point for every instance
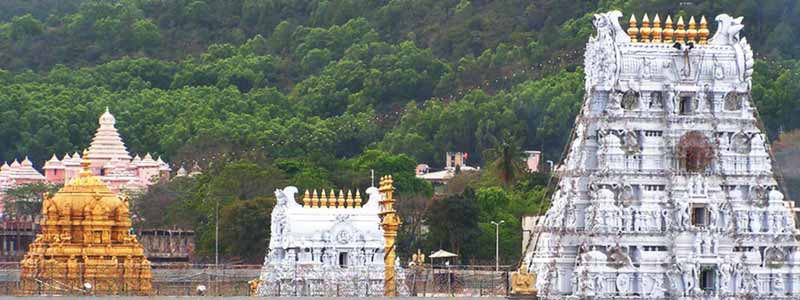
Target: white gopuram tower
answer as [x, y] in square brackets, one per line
[667, 189]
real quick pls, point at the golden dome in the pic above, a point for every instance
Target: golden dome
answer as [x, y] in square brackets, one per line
[85, 238]
[87, 195]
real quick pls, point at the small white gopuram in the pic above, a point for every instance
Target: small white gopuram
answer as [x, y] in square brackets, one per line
[331, 245]
[667, 190]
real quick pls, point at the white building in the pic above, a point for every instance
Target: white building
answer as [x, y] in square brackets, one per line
[667, 190]
[328, 246]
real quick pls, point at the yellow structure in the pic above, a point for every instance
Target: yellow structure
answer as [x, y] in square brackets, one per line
[681, 35]
[390, 222]
[523, 283]
[85, 245]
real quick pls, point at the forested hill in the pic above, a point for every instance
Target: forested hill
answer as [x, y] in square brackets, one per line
[325, 80]
[316, 93]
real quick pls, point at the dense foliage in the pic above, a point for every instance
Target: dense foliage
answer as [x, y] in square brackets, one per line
[315, 93]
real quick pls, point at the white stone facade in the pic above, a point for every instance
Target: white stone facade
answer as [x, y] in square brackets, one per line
[331, 248]
[633, 216]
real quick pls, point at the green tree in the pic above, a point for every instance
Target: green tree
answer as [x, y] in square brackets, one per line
[244, 229]
[145, 34]
[25, 26]
[25, 200]
[453, 225]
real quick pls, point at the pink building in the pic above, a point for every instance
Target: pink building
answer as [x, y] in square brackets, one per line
[110, 161]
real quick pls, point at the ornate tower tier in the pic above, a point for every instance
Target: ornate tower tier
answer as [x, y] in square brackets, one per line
[85, 245]
[667, 189]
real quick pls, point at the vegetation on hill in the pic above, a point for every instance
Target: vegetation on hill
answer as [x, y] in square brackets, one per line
[317, 92]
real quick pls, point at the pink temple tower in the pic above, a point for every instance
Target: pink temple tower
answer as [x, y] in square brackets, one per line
[107, 145]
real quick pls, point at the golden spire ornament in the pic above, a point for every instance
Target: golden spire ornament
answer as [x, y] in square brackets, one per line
[680, 33]
[306, 199]
[656, 29]
[340, 200]
[645, 30]
[668, 31]
[633, 31]
[314, 200]
[692, 32]
[323, 200]
[349, 199]
[703, 32]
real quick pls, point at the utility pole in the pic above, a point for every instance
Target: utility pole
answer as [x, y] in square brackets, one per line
[216, 236]
[497, 245]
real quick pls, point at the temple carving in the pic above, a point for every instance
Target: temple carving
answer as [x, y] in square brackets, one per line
[667, 190]
[85, 245]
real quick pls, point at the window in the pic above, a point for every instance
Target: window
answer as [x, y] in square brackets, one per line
[343, 259]
[655, 248]
[653, 133]
[699, 216]
[654, 187]
[708, 278]
[686, 105]
[656, 100]
[630, 100]
[733, 101]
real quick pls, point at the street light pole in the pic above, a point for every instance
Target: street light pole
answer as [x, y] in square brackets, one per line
[216, 236]
[497, 245]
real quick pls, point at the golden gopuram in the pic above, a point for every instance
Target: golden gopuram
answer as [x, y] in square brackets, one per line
[85, 246]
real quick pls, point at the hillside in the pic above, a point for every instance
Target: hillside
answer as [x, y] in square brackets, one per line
[320, 91]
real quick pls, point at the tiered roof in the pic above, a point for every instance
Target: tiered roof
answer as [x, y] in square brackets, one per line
[24, 171]
[107, 144]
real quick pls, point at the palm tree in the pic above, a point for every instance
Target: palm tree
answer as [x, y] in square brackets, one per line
[506, 159]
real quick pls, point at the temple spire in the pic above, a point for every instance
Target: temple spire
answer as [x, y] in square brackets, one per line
[107, 143]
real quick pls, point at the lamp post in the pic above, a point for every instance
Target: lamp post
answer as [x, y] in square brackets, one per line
[497, 244]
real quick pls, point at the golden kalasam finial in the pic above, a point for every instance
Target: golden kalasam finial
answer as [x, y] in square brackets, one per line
[340, 200]
[314, 200]
[691, 34]
[680, 33]
[332, 199]
[306, 199]
[349, 199]
[357, 199]
[656, 29]
[86, 165]
[703, 32]
[633, 30]
[323, 199]
[645, 30]
[668, 31]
